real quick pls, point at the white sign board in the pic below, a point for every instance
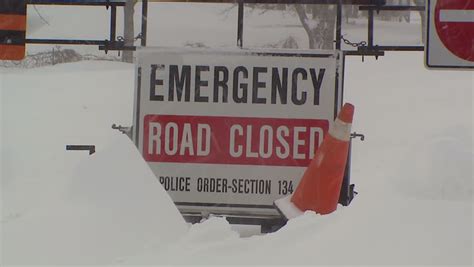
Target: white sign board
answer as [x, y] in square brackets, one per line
[450, 34]
[230, 131]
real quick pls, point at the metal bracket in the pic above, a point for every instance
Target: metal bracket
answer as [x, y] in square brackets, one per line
[356, 135]
[123, 129]
[90, 148]
[115, 45]
[392, 8]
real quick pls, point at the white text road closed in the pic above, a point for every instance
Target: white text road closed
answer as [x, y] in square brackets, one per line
[242, 141]
[231, 131]
[450, 36]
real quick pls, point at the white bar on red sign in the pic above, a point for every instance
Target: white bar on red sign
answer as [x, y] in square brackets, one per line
[456, 15]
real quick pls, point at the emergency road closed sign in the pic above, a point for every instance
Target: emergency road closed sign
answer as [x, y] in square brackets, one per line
[450, 37]
[230, 131]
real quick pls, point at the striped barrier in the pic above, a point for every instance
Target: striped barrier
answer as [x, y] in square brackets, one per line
[12, 29]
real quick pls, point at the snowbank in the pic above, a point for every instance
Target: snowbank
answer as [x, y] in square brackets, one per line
[63, 207]
[113, 206]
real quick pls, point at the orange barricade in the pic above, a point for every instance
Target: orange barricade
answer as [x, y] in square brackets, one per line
[12, 29]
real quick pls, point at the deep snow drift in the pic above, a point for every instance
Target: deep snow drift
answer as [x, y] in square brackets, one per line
[111, 207]
[413, 174]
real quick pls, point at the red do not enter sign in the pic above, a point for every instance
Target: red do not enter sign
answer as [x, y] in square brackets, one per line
[454, 23]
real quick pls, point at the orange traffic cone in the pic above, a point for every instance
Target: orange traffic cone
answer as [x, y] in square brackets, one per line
[320, 186]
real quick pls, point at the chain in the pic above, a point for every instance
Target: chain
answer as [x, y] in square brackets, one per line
[359, 44]
[122, 39]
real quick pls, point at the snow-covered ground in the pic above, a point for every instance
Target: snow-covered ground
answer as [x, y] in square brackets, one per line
[413, 172]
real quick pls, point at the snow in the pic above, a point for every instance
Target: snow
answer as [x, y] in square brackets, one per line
[413, 172]
[110, 207]
[287, 208]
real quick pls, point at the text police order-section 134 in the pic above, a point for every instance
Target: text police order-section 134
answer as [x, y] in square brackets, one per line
[218, 185]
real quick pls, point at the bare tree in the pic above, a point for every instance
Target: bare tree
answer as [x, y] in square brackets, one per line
[128, 29]
[320, 26]
[423, 19]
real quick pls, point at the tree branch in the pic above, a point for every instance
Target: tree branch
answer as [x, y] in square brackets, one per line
[305, 22]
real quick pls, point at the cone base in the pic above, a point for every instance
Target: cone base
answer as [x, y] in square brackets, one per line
[287, 208]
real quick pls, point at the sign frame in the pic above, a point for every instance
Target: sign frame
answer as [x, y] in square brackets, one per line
[242, 210]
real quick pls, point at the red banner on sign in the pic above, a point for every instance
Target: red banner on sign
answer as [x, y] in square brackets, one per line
[232, 140]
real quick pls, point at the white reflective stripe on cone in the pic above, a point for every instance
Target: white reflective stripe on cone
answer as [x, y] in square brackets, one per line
[340, 130]
[287, 208]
